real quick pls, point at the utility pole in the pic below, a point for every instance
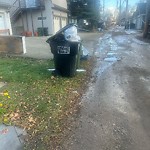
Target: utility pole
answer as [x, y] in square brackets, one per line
[31, 12]
[147, 20]
[117, 5]
[21, 15]
[120, 7]
[42, 21]
[103, 7]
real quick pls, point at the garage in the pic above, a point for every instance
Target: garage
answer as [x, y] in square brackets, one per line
[59, 15]
[63, 21]
[59, 22]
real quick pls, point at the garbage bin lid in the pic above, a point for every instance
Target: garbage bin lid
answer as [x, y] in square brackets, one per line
[61, 30]
[65, 28]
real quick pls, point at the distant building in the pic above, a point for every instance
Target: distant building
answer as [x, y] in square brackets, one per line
[5, 25]
[44, 17]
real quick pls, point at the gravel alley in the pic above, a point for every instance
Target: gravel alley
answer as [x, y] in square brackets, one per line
[115, 110]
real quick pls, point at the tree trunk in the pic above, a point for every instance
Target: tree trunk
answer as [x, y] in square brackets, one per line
[147, 20]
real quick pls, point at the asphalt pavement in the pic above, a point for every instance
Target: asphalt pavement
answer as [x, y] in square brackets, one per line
[37, 47]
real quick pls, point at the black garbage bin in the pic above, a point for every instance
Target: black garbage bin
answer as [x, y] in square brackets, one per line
[65, 52]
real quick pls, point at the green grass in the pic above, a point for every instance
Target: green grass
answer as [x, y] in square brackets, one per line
[39, 102]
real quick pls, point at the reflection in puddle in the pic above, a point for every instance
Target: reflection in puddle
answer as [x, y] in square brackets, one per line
[111, 59]
[114, 47]
[121, 48]
[111, 54]
[109, 45]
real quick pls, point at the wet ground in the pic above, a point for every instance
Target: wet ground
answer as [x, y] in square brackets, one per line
[115, 110]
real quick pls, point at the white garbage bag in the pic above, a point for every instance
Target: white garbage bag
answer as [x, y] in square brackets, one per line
[71, 34]
[85, 51]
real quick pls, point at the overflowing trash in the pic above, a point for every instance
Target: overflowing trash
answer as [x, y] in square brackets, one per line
[67, 49]
[71, 34]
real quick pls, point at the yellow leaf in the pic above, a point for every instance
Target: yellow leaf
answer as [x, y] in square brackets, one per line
[5, 120]
[5, 93]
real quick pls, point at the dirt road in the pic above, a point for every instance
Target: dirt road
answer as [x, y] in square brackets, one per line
[115, 110]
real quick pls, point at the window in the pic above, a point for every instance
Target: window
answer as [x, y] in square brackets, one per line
[40, 18]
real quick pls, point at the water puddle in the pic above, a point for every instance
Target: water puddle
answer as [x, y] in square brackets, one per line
[114, 47]
[102, 46]
[121, 48]
[111, 59]
[108, 45]
[110, 54]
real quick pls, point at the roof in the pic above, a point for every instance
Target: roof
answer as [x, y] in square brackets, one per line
[56, 7]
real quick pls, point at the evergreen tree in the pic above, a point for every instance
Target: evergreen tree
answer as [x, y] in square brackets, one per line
[85, 9]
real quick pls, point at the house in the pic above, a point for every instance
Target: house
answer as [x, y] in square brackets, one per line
[139, 16]
[5, 25]
[44, 17]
